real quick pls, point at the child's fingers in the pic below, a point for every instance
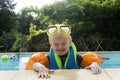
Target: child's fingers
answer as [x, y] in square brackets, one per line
[96, 70]
[44, 75]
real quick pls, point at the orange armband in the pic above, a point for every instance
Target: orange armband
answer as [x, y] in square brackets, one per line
[90, 57]
[39, 57]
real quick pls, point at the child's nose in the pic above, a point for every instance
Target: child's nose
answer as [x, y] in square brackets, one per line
[60, 46]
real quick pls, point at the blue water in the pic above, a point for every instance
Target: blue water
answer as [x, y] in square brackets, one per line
[110, 61]
[13, 63]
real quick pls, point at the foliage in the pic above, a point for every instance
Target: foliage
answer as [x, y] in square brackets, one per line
[28, 16]
[21, 42]
[91, 21]
[8, 20]
[7, 16]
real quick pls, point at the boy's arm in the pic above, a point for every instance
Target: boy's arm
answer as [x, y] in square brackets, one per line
[40, 63]
[91, 60]
[43, 72]
[37, 58]
[90, 57]
[37, 66]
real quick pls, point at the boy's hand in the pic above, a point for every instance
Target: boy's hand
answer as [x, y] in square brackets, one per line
[95, 68]
[44, 72]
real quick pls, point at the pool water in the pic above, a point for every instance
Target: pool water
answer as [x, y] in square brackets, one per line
[18, 63]
[9, 65]
[111, 60]
[15, 62]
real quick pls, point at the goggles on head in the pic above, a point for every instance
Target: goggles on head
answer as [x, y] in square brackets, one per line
[52, 30]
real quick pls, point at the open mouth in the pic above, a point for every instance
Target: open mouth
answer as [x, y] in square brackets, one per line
[61, 50]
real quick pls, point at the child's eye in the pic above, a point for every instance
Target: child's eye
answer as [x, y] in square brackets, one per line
[55, 44]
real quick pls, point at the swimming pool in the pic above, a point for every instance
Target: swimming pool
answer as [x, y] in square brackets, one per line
[18, 62]
[111, 60]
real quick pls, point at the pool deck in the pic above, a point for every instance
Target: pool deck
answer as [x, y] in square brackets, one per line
[81, 74]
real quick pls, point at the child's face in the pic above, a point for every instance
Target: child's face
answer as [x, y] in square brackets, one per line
[61, 45]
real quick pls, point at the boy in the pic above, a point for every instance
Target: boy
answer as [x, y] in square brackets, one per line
[62, 54]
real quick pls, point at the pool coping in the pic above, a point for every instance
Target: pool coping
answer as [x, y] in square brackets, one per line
[81, 74]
